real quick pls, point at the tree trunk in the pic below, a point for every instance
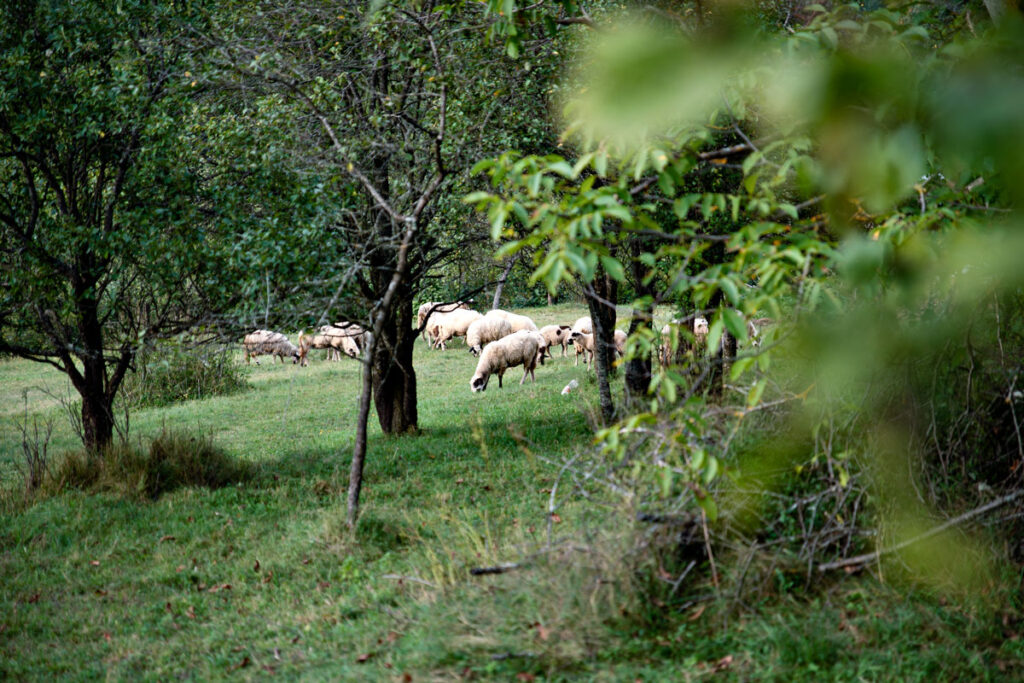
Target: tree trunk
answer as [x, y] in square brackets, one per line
[602, 294]
[355, 477]
[394, 378]
[501, 282]
[97, 408]
[638, 370]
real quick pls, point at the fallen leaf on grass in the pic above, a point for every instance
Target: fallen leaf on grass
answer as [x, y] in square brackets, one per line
[723, 663]
[696, 613]
[523, 676]
[242, 664]
[107, 637]
[555, 518]
[33, 599]
[221, 587]
[190, 612]
[256, 567]
[392, 636]
[269, 577]
[164, 539]
[363, 658]
[100, 592]
[95, 563]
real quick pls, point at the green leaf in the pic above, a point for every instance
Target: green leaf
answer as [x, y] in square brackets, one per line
[754, 396]
[476, 197]
[735, 324]
[740, 366]
[730, 290]
[707, 504]
[613, 268]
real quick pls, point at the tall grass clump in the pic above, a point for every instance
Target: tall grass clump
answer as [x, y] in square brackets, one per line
[172, 372]
[172, 460]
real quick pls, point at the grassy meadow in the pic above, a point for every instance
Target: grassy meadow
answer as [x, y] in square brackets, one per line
[261, 577]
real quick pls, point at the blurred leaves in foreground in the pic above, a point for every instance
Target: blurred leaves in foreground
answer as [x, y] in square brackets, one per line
[857, 175]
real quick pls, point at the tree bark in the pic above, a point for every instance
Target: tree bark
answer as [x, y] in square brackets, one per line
[501, 282]
[394, 378]
[602, 295]
[638, 370]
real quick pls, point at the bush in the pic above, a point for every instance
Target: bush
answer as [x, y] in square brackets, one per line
[173, 460]
[172, 372]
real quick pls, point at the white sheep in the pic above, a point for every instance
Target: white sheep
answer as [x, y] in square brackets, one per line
[584, 344]
[520, 348]
[517, 321]
[271, 343]
[428, 309]
[453, 324]
[586, 326]
[557, 335]
[620, 343]
[485, 330]
[699, 327]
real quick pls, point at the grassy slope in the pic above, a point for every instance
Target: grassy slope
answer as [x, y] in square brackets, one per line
[261, 577]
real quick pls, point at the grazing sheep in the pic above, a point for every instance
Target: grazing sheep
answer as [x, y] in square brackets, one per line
[556, 335]
[485, 330]
[518, 322]
[584, 344]
[347, 338]
[584, 325]
[427, 311]
[620, 343]
[453, 324]
[263, 342]
[520, 348]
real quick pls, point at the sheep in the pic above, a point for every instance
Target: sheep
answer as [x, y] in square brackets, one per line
[347, 338]
[453, 324]
[428, 309]
[586, 326]
[517, 321]
[700, 329]
[263, 342]
[486, 329]
[620, 343]
[584, 344]
[519, 348]
[555, 335]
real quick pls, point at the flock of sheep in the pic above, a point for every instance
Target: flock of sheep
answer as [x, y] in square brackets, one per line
[501, 339]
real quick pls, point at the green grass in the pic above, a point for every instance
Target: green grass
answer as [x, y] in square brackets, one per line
[261, 576]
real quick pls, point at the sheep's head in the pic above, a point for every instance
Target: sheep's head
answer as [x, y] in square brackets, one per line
[700, 326]
[475, 350]
[479, 383]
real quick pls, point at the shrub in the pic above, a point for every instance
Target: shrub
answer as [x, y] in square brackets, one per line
[173, 372]
[172, 460]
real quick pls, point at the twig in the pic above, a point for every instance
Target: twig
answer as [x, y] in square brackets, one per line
[496, 569]
[411, 579]
[871, 557]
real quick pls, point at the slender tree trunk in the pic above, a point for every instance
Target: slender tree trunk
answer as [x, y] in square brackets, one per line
[355, 478]
[501, 282]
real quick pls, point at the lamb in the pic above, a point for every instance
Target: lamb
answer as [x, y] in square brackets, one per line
[453, 324]
[520, 348]
[486, 329]
[586, 326]
[584, 344]
[555, 335]
[518, 322]
[263, 342]
[428, 309]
